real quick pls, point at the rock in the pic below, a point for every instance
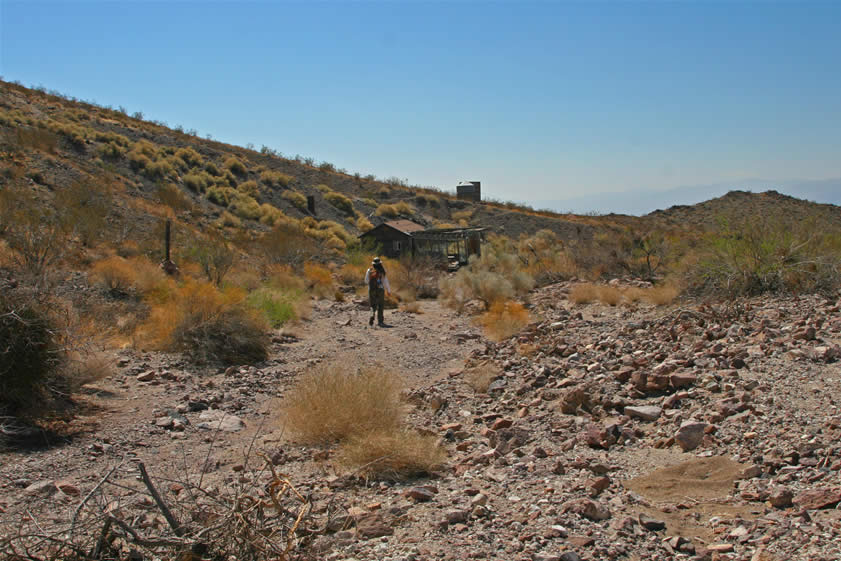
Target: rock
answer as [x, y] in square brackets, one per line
[574, 398]
[147, 376]
[570, 556]
[581, 541]
[214, 419]
[598, 485]
[818, 498]
[456, 516]
[682, 379]
[500, 424]
[68, 488]
[42, 487]
[420, 494]
[651, 524]
[644, 412]
[545, 557]
[781, 498]
[586, 508]
[373, 526]
[690, 434]
[720, 547]
[164, 422]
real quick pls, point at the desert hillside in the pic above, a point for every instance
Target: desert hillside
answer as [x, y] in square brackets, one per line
[590, 387]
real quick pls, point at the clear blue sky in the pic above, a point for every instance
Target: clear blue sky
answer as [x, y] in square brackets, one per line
[544, 100]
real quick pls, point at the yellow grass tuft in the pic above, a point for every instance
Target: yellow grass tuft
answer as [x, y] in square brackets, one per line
[391, 454]
[504, 319]
[332, 402]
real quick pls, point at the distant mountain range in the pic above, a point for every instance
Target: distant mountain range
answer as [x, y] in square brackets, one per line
[639, 203]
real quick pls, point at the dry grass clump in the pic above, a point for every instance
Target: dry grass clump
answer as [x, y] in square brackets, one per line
[341, 202]
[297, 199]
[333, 402]
[361, 409]
[394, 210]
[272, 178]
[235, 166]
[363, 224]
[585, 293]
[391, 455]
[504, 319]
[351, 274]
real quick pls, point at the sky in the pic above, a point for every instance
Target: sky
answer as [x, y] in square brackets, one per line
[540, 101]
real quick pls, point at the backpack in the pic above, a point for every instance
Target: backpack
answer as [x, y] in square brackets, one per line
[374, 279]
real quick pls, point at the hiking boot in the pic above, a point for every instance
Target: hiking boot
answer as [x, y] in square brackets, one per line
[371, 321]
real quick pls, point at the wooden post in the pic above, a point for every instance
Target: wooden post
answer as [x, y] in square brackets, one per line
[168, 233]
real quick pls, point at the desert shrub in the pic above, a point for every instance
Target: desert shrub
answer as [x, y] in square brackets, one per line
[145, 148]
[160, 169]
[198, 181]
[394, 210]
[211, 168]
[278, 306]
[768, 253]
[138, 161]
[319, 280]
[324, 189]
[424, 199]
[189, 157]
[415, 277]
[333, 402]
[288, 244]
[207, 324]
[84, 207]
[504, 319]
[110, 151]
[36, 138]
[173, 197]
[351, 274]
[462, 216]
[271, 215]
[661, 295]
[35, 234]
[30, 354]
[245, 207]
[363, 224]
[341, 202]
[494, 277]
[583, 293]
[214, 256]
[545, 258]
[392, 455]
[235, 166]
[411, 307]
[222, 196]
[480, 376]
[249, 188]
[297, 199]
[228, 220]
[115, 274]
[277, 178]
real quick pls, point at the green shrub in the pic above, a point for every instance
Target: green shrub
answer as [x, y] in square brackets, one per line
[220, 195]
[198, 181]
[277, 306]
[249, 188]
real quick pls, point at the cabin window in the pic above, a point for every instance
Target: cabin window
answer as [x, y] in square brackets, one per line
[396, 245]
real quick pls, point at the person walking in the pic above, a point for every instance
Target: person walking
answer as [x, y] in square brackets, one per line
[378, 287]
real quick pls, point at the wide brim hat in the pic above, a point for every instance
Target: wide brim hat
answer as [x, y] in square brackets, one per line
[376, 261]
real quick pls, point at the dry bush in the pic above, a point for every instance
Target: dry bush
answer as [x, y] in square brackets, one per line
[276, 178]
[341, 202]
[332, 402]
[609, 295]
[228, 220]
[115, 274]
[249, 188]
[208, 325]
[36, 235]
[504, 319]
[31, 353]
[85, 367]
[279, 306]
[288, 243]
[351, 274]
[319, 280]
[84, 207]
[394, 210]
[583, 293]
[363, 224]
[661, 295]
[390, 454]
[214, 256]
[462, 216]
[633, 294]
[297, 199]
[245, 206]
[174, 198]
[190, 157]
[285, 277]
[235, 166]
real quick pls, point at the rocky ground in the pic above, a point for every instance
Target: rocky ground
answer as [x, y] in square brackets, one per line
[691, 432]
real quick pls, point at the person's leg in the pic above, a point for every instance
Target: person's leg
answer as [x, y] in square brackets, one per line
[372, 298]
[380, 305]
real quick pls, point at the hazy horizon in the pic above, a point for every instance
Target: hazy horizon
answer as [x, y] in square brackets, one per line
[539, 101]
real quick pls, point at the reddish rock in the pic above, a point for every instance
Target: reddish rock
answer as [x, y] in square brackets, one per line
[421, 494]
[586, 508]
[818, 498]
[147, 376]
[500, 424]
[781, 498]
[373, 526]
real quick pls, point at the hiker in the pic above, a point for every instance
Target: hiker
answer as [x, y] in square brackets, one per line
[378, 287]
